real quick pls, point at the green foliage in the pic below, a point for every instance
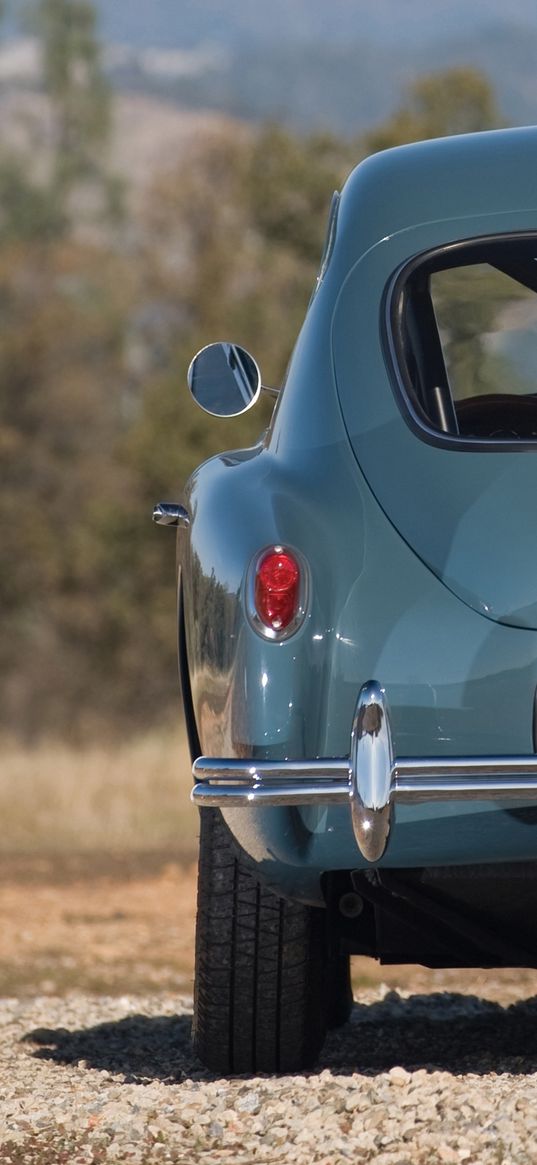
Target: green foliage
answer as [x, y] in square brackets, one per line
[60, 350]
[459, 100]
[288, 182]
[28, 210]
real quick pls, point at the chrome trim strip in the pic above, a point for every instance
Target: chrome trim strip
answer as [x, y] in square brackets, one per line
[253, 771]
[305, 793]
[465, 766]
[483, 788]
[371, 780]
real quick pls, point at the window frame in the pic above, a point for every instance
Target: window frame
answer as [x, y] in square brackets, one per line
[393, 338]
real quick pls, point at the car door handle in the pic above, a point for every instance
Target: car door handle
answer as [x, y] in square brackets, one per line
[170, 514]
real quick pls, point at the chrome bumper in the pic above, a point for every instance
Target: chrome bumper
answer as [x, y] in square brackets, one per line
[371, 780]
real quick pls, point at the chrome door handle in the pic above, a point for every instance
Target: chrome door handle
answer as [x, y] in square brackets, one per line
[170, 514]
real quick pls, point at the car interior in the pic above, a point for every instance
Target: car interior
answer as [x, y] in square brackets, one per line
[465, 327]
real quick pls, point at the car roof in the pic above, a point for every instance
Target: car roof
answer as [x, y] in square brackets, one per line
[462, 177]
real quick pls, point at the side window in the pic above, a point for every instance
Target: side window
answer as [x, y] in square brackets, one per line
[466, 324]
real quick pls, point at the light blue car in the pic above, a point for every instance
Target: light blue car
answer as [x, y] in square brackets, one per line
[358, 612]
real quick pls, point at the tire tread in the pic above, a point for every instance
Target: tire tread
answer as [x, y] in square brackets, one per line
[258, 995]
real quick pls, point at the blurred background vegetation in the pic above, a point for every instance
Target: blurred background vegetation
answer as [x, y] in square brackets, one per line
[110, 280]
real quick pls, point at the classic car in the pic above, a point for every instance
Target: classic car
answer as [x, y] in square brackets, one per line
[358, 612]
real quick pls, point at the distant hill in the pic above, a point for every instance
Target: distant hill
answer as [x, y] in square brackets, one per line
[336, 64]
[185, 23]
[341, 64]
[343, 87]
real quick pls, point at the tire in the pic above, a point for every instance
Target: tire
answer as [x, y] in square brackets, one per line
[260, 967]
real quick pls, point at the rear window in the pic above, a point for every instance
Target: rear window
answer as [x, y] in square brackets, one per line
[464, 324]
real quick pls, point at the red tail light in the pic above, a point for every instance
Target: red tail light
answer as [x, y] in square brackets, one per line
[277, 589]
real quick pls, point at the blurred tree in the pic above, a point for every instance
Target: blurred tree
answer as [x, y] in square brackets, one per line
[77, 182]
[28, 210]
[95, 422]
[80, 101]
[60, 351]
[290, 181]
[64, 305]
[458, 100]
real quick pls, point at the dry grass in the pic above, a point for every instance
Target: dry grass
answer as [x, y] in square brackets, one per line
[97, 876]
[128, 798]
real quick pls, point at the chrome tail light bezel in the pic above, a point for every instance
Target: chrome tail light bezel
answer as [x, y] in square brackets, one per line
[272, 634]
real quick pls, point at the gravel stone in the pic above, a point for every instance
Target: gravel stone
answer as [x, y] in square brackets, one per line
[399, 1076]
[439, 1079]
[249, 1103]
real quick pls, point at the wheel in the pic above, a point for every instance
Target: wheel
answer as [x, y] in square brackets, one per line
[260, 966]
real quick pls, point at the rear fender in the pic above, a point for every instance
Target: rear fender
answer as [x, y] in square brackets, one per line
[252, 696]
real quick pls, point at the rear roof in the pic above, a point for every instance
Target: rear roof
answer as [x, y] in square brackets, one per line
[447, 178]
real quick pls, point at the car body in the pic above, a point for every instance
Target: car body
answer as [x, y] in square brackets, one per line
[374, 765]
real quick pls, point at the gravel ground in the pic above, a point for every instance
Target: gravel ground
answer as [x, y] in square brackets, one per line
[412, 1079]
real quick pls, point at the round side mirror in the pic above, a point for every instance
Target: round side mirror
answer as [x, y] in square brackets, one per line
[224, 380]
